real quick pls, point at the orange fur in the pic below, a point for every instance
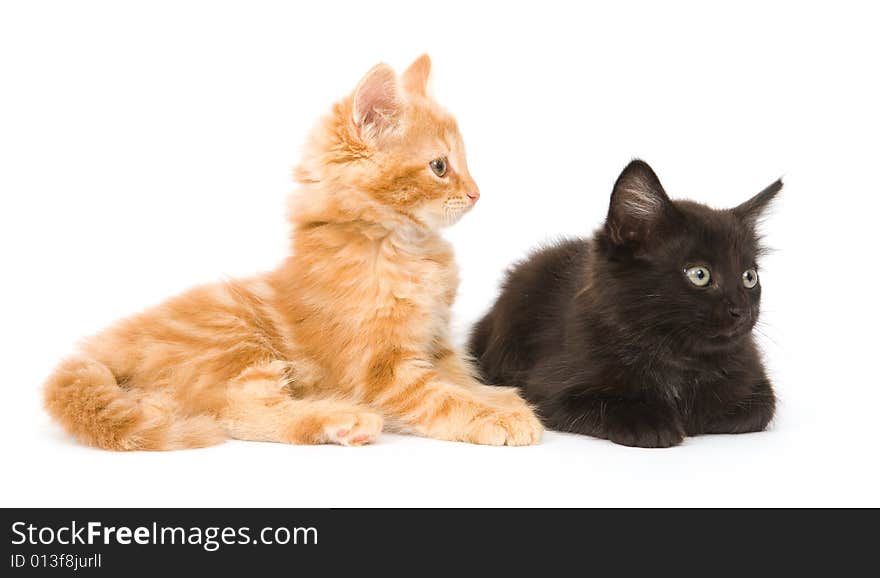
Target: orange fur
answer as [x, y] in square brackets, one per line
[349, 334]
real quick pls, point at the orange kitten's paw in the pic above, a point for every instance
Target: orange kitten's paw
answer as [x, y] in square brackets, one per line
[354, 428]
[517, 427]
[506, 397]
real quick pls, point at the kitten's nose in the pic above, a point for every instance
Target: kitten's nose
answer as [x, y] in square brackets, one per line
[473, 195]
[736, 312]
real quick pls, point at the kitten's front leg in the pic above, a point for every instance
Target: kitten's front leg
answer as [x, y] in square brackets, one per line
[420, 400]
[456, 368]
[734, 410]
[636, 422]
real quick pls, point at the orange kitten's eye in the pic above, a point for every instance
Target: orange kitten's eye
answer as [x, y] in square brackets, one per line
[439, 166]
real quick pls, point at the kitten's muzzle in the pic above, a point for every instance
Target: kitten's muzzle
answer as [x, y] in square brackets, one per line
[739, 322]
[733, 323]
[737, 312]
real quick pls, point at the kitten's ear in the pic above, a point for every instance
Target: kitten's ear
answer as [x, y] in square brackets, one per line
[638, 205]
[751, 210]
[415, 79]
[377, 102]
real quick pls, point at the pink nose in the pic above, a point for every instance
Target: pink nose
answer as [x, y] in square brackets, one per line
[473, 195]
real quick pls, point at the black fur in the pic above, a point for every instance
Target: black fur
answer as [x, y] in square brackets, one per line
[609, 338]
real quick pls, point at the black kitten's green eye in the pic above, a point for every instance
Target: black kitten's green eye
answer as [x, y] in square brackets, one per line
[439, 167]
[699, 276]
[750, 279]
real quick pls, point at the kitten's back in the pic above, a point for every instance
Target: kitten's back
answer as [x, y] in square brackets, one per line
[526, 320]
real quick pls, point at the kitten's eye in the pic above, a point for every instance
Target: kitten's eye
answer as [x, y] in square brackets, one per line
[439, 166]
[699, 276]
[750, 279]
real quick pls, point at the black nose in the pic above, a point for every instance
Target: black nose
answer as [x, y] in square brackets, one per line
[735, 312]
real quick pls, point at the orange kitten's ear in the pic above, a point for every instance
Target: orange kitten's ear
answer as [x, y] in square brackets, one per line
[377, 101]
[415, 79]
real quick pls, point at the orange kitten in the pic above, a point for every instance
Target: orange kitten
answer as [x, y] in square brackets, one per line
[351, 332]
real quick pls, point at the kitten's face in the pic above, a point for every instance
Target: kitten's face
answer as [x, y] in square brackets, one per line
[705, 275]
[421, 169]
[393, 143]
[684, 271]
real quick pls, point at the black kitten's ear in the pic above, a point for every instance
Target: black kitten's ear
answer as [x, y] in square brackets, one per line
[638, 205]
[751, 210]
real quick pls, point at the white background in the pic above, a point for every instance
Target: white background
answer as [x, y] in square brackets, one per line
[146, 147]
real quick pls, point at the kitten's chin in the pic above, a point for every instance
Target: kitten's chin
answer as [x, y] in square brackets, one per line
[443, 216]
[732, 332]
[725, 339]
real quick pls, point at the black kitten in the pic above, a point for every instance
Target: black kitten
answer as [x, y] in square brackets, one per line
[642, 335]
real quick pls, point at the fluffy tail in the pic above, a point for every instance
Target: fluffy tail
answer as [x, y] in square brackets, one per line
[85, 398]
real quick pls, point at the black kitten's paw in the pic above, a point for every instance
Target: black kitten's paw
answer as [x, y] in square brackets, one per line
[643, 426]
[750, 412]
[740, 422]
[646, 436]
